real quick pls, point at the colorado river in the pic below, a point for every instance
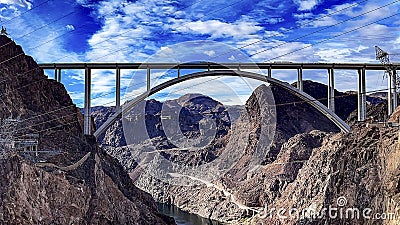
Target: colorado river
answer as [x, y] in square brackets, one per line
[182, 217]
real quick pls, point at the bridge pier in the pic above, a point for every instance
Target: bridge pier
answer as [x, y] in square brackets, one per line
[395, 98]
[148, 78]
[117, 89]
[392, 93]
[362, 99]
[331, 90]
[57, 75]
[87, 121]
[269, 71]
[300, 79]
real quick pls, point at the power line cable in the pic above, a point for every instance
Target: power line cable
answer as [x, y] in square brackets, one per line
[295, 27]
[371, 23]
[21, 14]
[331, 26]
[340, 10]
[276, 105]
[333, 37]
[362, 14]
[39, 28]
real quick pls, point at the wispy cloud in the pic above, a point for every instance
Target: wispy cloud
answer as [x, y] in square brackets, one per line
[307, 5]
[133, 31]
[20, 3]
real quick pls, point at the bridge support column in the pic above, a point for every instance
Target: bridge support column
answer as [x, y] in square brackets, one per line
[87, 122]
[331, 90]
[362, 99]
[395, 97]
[59, 75]
[269, 71]
[148, 78]
[392, 93]
[300, 79]
[389, 96]
[118, 89]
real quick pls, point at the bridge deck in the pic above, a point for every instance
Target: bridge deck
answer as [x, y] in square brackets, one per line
[211, 65]
[361, 68]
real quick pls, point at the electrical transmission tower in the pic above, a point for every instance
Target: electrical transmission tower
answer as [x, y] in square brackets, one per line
[393, 83]
[8, 129]
[11, 142]
[393, 79]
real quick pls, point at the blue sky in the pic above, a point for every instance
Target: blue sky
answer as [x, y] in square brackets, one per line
[176, 30]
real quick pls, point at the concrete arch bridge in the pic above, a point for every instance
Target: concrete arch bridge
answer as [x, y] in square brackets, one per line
[229, 69]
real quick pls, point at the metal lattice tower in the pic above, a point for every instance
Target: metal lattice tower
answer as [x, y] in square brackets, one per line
[11, 142]
[393, 78]
[7, 132]
[384, 58]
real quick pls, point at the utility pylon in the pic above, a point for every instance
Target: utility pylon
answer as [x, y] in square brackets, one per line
[393, 79]
[394, 83]
[7, 132]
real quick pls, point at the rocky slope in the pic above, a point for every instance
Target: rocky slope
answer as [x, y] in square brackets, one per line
[361, 167]
[77, 183]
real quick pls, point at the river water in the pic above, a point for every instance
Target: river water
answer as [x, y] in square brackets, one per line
[182, 217]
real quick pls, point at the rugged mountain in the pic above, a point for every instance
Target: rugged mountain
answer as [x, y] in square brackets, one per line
[307, 164]
[74, 181]
[347, 101]
[313, 170]
[192, 106]
[291, 119]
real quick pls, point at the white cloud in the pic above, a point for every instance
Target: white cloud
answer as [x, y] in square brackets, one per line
[330, 17]
[21, 3]
[275, 20]
[209, 53]
[303, 15]
[306, 5]
[70, 27]
[322, 22]
[334, 55]
[217, 29]
[279, 50]
[397, 41]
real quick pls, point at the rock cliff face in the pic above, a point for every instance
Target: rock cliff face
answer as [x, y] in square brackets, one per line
[77, 183]
[361, 168]
[96, 192]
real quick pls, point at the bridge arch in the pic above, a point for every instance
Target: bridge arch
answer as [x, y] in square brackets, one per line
[302, 95]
